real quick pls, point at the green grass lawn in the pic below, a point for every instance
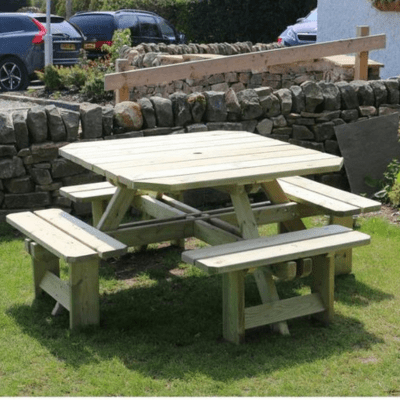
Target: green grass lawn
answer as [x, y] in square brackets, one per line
[160, 332]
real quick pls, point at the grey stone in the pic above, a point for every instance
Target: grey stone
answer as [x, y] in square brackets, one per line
[336, 180]
[215, 107]
[80, 179]
[196, 128]
[380, 92]
[27, 200]
[128, 116]
[332, 147]
[324, 131]
[298, 99]
[264, 127]
[7, 150]
[71, 122]
[367, 148]
[368, 111]
[21, 128]
[224, 126]
[250, 125]
[62, 167]
[365, 93]
[163, 111]
[249, 104]
[108, 120]
[198, 105]
[279, 121]
[41, 176]
[313, 96]
[148, 59]
[263, 91]
[331, 95]
[181, 109]
[270, 105]
[301, 132]
[392, 87]
[149, 115]
[349, 115]
[44, 152]
[285, 97]
[7, 134]
[92, 121]
[11, 168]
[159, 131]
[348, 95]
[37, 124]
[19, 185]
[56, 126]
[232, 102]
[386, 110]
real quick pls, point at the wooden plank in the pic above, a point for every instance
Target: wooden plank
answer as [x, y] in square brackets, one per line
[56, 288]
[51, 238]
[285, 271]
[282, 310]
[263, 242]
[328, 204]
[103, 244]
[116, 209]
[323, 281]
[365, 204]
[42, 262]
[280, 253]
[233, 306]
[254, 61]
[361, 61]
[80, 195]
[84, 287]
[275, 193]
[241, 176]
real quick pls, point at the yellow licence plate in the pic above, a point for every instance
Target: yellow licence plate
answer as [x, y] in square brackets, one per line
[67, 46]
[89, 46]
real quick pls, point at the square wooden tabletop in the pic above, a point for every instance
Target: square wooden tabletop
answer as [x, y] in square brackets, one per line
[198, 160]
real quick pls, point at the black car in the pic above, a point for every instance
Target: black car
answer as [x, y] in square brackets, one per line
[145, 27]
[22, 46]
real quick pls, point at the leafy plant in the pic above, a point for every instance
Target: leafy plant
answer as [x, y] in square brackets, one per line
[119, 39]
[386, 185]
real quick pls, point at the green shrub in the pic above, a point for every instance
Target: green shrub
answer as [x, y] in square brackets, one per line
[51, 77]
[119, 39]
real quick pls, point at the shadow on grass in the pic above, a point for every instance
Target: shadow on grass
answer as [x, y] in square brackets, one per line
[169, 326]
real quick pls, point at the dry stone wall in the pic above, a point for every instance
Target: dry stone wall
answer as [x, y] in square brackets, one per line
[31, 172]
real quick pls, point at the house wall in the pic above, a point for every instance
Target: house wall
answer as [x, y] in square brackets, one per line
[338, 19]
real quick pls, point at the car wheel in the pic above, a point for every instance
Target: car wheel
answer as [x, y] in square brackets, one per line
[13, 75]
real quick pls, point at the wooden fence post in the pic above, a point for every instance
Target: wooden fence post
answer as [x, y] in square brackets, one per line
[121, 94]
[361, 64]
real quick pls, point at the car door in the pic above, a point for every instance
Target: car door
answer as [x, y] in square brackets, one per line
[150, 31]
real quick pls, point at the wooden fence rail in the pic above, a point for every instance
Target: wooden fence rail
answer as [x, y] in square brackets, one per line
[121, 82]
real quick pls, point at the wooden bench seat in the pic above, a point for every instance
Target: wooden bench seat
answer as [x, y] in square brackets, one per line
[52, 235]
[234, 259]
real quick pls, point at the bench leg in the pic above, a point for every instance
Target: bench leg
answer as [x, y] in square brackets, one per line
[84, 293]
[98, 208]
[233, 306]
[323, 282]
[42, 261]
[249, 229]
[344, 259]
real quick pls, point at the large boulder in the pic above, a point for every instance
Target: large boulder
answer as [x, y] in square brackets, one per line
[128, 115]
[92, 121]
[181, 109]
[215, 106]
[57, 131]
[249, 104]
[149, 115]
[197, 103]
[37, 124]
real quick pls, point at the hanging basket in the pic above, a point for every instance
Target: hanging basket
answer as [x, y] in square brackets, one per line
[386, 6]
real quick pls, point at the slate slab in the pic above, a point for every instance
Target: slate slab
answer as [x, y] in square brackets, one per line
[367, 148]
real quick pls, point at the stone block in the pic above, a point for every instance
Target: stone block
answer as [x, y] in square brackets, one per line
[20, 128]
[92, 121]
[215, 107]
[37, 124]
[55, 123]
[26, 200]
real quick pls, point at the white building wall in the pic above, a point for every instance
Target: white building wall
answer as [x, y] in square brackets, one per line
[338, 19]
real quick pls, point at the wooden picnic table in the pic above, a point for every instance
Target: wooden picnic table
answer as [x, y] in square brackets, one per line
[233, 162]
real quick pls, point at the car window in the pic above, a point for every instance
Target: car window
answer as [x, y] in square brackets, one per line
[60, 26]
[148, 26]
[166, 29]
[98, 25]
[126, 21]
[17, 24]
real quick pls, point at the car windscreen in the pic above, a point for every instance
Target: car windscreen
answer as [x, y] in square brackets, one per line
[312, 16]
[96, 26]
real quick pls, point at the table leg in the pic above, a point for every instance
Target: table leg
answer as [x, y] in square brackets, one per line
[116, 209]
[249, 229]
